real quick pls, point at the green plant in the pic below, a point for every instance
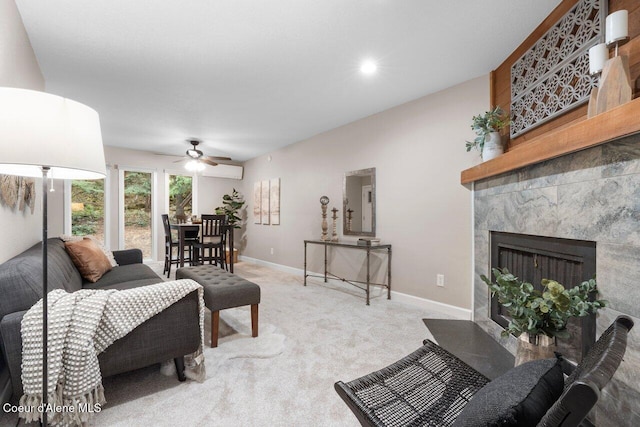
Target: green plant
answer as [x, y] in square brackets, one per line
[542, 313]
[83, 230]
[231, 205]
[491, 121]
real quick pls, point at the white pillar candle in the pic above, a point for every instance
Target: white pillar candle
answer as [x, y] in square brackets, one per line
[617, 26]
[598, 55]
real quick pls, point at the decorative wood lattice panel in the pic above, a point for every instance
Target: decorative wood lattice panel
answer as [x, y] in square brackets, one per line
[552, 77]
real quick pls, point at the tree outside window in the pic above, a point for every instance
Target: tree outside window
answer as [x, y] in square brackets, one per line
[180, 198]
[87, 208]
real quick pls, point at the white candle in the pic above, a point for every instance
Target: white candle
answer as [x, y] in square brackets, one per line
[598, 55]
[617, 26]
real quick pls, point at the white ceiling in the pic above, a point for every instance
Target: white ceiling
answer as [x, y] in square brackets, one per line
[250, 76]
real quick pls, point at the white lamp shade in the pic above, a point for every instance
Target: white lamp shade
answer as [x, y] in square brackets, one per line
[39, 129]
[617, 26]
[598, 56]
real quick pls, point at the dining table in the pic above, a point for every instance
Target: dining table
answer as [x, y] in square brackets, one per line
[184, 229]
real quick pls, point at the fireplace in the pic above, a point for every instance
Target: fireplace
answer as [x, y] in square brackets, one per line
[533, 258]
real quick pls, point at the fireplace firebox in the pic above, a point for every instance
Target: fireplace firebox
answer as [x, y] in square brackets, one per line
[533, 258]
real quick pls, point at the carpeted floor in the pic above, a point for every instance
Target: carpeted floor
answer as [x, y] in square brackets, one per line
[310, 337]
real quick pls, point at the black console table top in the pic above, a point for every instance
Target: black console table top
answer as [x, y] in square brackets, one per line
[349, 244]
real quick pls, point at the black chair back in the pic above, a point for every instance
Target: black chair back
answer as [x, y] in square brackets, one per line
[167, 228]
[582, 388]
[213, 227]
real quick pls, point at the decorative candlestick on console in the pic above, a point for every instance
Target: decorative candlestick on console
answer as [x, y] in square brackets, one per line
[334, 234]
[349, 218]
[324, 201]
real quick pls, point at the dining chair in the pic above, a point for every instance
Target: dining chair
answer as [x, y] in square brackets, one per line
[213, 237]
[170, 244]
[190, 236]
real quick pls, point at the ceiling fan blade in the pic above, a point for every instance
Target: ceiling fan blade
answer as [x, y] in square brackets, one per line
[226, 159]
[209, 162]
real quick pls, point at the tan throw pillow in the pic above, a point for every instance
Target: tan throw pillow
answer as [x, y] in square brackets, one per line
[88, 258]
[107, 252]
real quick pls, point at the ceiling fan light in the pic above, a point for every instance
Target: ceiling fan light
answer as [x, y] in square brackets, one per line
[194, 166]
[195, 153]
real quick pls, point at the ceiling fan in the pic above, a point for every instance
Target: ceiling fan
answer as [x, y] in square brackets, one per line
[196, 159]
[195, 154]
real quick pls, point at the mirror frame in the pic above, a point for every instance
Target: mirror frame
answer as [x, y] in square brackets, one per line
[362, 172]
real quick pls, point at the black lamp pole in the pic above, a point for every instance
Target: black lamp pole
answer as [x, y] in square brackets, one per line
[45, 307]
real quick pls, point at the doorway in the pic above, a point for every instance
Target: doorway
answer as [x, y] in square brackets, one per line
[366, 208]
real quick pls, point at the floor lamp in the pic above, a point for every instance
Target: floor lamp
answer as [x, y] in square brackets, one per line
[44, 135]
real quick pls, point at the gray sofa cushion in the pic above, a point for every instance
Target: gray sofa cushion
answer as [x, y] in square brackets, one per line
[21, 276]
[161, 338]
[120, 277]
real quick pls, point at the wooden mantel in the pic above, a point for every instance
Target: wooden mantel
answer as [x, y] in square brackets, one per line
[603, 128]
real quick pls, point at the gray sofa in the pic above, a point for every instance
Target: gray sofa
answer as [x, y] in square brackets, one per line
[170, 334]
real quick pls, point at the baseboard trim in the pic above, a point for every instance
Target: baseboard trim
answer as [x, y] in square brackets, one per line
[427, 304]
[285, 268]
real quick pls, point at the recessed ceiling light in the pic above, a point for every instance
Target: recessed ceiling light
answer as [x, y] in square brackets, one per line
[368, 67]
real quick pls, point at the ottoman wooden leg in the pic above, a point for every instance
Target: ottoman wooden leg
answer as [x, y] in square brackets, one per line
[254, 320]
[215, 322]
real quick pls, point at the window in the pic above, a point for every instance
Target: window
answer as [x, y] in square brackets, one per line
[137, 211]
[87, 208]
[180, 198]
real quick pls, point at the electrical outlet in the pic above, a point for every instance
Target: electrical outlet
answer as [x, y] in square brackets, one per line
[271, 251]
[440, 280]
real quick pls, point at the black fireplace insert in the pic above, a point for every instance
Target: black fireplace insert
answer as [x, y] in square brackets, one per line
[533, 258]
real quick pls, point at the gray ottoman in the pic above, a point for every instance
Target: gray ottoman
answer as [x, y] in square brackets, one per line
[223, 290]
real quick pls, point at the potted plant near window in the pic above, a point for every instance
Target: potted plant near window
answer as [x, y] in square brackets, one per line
[538, 318]
[487, 128]
[231, 206]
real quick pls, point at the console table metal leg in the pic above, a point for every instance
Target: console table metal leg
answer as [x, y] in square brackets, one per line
[305, 263]
[389, 273]
[368, 275]
[325, 263]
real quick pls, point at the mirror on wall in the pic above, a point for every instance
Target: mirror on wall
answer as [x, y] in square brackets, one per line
[359, 208]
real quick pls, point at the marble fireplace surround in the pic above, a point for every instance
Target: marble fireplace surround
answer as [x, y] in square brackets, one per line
[594, 195]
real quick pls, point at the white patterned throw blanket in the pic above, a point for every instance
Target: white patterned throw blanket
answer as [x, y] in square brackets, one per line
[82, 324]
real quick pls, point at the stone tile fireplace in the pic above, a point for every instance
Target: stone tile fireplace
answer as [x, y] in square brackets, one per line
[592, 195]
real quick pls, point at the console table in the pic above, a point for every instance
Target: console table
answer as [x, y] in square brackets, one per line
[368, 249]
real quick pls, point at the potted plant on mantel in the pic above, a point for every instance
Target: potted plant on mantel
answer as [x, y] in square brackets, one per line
[487, 128]
[538, 318]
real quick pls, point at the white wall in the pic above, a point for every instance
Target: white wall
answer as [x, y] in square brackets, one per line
[18, 68]
[18, 64]
[422, 209]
